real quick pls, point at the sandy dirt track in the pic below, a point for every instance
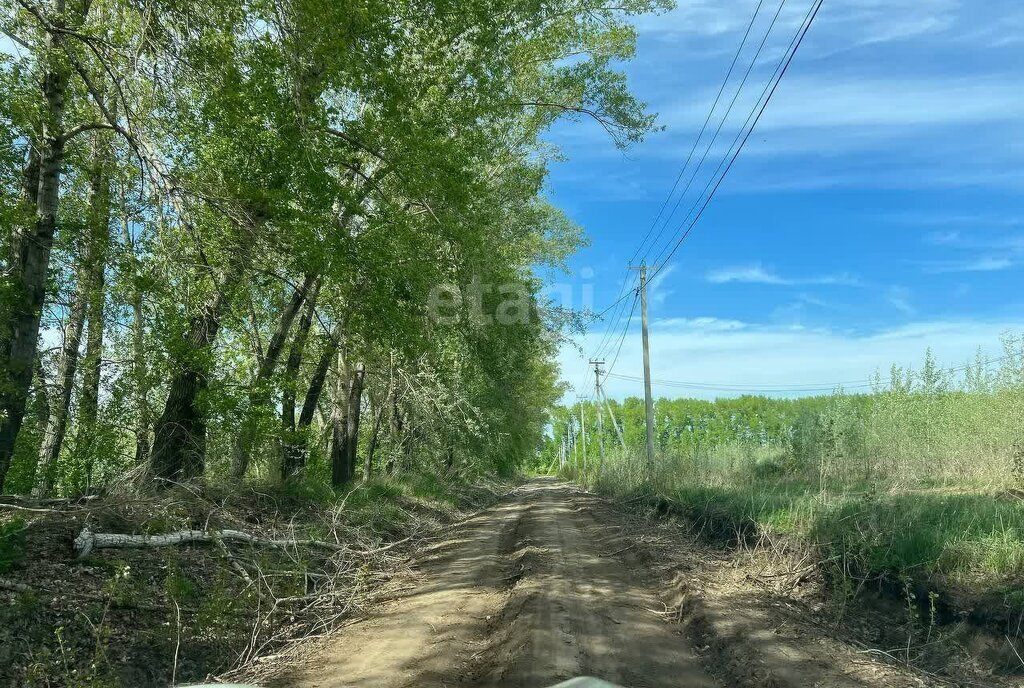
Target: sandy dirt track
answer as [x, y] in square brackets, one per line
[545, 586]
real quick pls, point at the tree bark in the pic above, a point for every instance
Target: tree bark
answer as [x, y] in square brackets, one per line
[289, 457]
[95, 280]
[298, 448]
[259, 396]
[398, 438]
[355, 400]
[56, 425]
[87, 541]
[142, 417]
[339, 425]
[31, 257]
[179, 442]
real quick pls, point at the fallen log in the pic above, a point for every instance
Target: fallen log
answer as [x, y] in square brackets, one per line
[87, 541]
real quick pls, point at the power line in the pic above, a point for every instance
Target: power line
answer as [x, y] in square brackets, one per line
[721, 125]
[784, 64]
[623, 294]
[714, 106]
[610, 330]
[696, 142]
[625, 330]
[788, 60]
[791, 52]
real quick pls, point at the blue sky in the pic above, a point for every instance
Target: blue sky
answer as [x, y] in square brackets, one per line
[877, 210]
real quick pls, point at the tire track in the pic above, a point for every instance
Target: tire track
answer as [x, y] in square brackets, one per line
[544, 587]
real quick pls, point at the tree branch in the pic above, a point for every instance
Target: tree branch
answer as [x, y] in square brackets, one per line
[82, 128]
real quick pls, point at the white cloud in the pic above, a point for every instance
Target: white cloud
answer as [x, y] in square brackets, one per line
[757, 274]
[824, 102]
[947, 236]
[899, 298]
[866, 102]
[732, 353]
[657, 292]
[857, 21]
[984, 264]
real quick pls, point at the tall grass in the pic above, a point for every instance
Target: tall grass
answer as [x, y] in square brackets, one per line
[922, 478]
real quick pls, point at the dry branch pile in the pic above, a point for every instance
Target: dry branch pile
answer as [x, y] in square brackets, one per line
[190, 585]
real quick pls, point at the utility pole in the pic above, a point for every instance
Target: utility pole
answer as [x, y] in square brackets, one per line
[648, 398]
[583, 431]
[600, 418]
[572, 441]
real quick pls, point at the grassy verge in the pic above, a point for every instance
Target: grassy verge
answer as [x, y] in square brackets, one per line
[959, 552]
[140, 617]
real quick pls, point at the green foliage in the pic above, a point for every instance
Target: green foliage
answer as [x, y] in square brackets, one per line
[12, 544]
[380, 152]
[177, 585]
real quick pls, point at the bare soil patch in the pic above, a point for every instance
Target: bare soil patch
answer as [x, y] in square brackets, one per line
[554, 582]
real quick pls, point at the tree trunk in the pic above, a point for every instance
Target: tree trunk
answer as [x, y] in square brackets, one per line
[298, 449]
[179, 441]
[355, 400]
[259, 396]
[179, 436]
[397, 437]
[95, 279]
[371, 448]
[31, 260]
[339, 426]
[289, 458]
[42, 398]
[56, 425]
[142, 411]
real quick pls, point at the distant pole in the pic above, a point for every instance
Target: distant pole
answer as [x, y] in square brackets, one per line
[572, 439]
[600, 418]
[583, 432]
[648, 398]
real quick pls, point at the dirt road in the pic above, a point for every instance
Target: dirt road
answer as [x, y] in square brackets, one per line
[545, 586]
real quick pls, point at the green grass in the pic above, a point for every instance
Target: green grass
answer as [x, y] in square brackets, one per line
[971, 540]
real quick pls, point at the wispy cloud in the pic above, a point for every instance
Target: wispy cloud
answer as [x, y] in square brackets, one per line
[656, 289]
[899, 298]
[757, 274]
[983, 264]
[817, 101]
[717, 351]
[943, 237]
[859, 21]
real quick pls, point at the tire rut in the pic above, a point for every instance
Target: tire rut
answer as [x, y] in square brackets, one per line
[545, 586]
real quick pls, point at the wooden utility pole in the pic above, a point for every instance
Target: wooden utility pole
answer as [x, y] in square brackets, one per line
[648, 398]
[600, 418]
